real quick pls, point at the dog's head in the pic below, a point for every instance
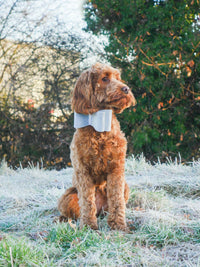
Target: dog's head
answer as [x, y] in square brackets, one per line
[101, 87]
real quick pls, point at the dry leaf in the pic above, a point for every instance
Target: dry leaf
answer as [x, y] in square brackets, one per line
[160, 105]
[72, 225]
[191, 63]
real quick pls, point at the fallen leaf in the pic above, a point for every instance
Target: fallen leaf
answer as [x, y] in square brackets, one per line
[72, 225]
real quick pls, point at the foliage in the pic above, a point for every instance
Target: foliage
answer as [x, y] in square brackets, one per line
[36, 79]
[35, 119]
[40, 59]
[156, 44]
[35, 135]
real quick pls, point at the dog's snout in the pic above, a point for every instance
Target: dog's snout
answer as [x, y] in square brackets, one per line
[125, 89]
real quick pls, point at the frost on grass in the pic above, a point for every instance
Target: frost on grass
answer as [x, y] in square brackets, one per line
[163, 214]
[174, 177]
[28, 196]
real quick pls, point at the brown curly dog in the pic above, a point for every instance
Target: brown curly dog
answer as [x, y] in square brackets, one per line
[98, 158]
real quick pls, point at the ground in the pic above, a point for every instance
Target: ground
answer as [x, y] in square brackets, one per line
[163, 214]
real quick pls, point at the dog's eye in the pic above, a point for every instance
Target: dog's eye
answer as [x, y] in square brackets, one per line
[105, 79]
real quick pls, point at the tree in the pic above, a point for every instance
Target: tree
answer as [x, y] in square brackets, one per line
[36, 78]
[156, 44]
[40, 59]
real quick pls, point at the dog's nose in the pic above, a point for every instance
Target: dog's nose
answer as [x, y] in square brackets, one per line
[125, 89]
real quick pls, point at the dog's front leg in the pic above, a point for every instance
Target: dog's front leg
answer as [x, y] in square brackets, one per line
[116, 201]
[86, 195]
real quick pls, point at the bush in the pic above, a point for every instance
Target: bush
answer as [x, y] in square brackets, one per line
[156, 45]
[35, 135]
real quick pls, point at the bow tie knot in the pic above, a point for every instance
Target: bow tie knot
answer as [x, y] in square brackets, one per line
[100, 120]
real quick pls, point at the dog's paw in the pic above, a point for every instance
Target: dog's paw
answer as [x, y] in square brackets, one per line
[89, 224]
[118, 226]
[62, 218]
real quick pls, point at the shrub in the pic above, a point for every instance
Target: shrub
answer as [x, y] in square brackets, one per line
[156, 44]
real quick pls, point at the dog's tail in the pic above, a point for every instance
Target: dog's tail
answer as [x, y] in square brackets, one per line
[68, 204]
[69, 207]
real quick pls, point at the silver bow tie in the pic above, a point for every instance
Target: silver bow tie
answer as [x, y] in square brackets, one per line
[100, 120]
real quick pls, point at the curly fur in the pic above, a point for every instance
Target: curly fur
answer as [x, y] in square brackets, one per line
[98, 158]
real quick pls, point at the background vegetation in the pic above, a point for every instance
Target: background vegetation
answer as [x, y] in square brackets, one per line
[35, 115]
[39, 64]
[154, 43]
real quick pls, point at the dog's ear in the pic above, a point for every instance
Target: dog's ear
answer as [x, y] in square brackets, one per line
[81, 99]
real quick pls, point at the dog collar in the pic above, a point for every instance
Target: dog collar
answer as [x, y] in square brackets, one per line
[100, 120]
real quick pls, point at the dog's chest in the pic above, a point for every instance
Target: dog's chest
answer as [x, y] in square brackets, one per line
[100, 154]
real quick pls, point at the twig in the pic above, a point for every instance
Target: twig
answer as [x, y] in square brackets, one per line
[153, 63]
[11, 258]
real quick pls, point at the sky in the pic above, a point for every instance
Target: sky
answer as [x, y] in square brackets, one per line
[71, 12]
[43, 12]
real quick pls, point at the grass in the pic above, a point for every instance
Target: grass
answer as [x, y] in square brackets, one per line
[20, 252]
[163, 214]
